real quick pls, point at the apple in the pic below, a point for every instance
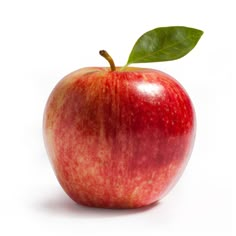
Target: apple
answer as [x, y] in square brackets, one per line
[118, 137]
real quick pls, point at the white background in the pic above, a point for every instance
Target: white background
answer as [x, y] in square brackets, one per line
[41, 41]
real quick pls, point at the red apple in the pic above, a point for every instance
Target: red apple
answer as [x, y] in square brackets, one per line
[118, 139]
[121, 137]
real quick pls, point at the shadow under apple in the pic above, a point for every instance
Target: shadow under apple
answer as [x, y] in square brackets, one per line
[62, 205]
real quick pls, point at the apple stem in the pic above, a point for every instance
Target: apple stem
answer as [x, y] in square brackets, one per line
[108, 58]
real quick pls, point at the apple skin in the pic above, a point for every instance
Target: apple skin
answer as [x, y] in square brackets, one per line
[118, 139]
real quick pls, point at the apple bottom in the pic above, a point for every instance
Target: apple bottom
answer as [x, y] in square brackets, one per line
[111, 189]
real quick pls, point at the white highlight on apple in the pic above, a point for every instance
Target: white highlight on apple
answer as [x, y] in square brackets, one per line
[150, 89]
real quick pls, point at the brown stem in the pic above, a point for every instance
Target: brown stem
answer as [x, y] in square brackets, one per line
[108, 58]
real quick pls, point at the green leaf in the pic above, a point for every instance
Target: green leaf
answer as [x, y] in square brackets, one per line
[164, 44]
